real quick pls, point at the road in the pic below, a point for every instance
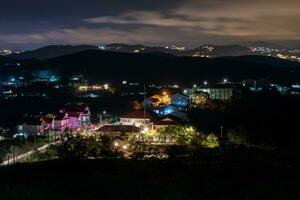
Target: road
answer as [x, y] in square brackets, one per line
[40, 149]
[26, 155]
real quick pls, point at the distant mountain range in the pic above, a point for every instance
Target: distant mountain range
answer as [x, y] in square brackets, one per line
[117, 62]
[205, 51]
[115, 66]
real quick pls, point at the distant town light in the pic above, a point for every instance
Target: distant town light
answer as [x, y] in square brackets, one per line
[102, 47]
[205, 83]
[184, 91]
[195, 85]
[124, 82]
[225, 80]
[106, 86]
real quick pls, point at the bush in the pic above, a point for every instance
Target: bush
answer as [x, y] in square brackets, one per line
[86, 146]
[211, 141]
[238, 136]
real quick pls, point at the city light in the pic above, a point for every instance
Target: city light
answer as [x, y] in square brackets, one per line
[106, 86]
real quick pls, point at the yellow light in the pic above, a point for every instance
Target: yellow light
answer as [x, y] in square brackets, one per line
[124, 147]
[83, 88]
[106, 86]
[116, 144]
[164, 93]
[145, 130]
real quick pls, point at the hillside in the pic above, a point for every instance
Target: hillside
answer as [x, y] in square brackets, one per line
[4, 60]
[207, 50]
[130, 179]
[52, 51]
[104, 65]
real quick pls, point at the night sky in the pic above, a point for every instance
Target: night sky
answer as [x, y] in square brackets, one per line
[26, 24]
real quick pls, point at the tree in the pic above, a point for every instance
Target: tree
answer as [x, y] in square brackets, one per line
[152, 135]
[182, 135]
[136, 105]
[238, 136]
[211, 141]
[86, 146]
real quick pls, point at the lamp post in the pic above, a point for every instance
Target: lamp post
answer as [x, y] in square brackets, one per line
[34, 141]
[221, 131]
[101, 116]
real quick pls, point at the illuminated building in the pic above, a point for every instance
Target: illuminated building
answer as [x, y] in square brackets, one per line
[136, 118]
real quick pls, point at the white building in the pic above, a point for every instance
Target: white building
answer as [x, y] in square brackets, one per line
[136, 118]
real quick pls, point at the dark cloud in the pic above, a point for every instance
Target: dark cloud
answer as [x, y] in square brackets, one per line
[30, 23]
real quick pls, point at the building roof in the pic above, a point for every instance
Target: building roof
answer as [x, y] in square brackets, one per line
[35, 121]
[167, 121]
[200, 92]
[227, 85]
[59, 116]
[180, 95]
[138, 114]
[79, 109]
[119, 128]
[74, 114]
[47, 119]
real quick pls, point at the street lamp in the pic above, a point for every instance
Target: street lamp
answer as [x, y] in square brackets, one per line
[101, 116]
[225, 80]
[205, 83]
[145, 130]
[221, 131]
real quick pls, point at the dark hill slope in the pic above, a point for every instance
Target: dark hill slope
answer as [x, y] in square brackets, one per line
[272, 61]
[52, 51]
[99, 65]
[114, 179]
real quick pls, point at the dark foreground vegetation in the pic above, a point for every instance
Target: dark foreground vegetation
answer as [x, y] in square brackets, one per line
[131, 179]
